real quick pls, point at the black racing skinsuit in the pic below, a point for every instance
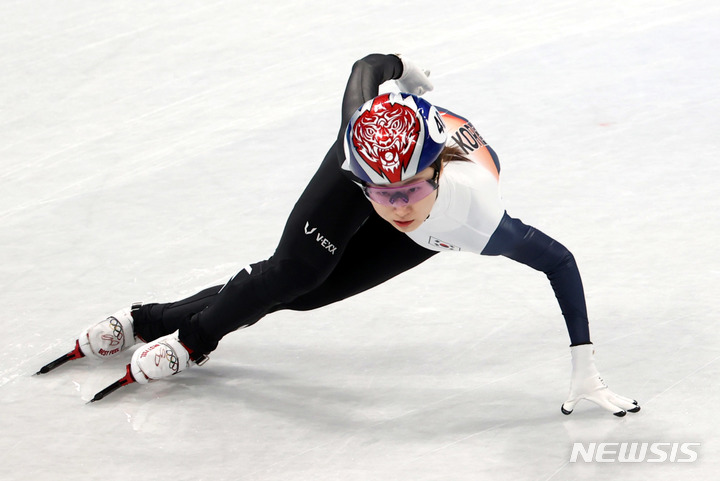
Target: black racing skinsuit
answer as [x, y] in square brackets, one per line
[328, 251]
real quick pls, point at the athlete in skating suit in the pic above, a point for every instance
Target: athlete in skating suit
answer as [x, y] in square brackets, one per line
[415, 176]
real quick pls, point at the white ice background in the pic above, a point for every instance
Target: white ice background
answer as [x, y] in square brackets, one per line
[149, 149]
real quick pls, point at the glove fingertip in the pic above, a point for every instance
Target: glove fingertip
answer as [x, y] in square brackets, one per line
[565, 411]
[635, 409]
[620, 414]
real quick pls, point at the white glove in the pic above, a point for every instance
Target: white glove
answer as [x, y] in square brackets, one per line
[587, 384]
[414, 80]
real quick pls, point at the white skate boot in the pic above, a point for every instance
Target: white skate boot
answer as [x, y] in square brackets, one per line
[161, 358]
[109, 337]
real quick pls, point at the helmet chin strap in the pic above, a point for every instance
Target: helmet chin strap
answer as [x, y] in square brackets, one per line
[436, 175]
[436, 179]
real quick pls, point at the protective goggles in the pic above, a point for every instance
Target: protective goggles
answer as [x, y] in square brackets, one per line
[403, 195]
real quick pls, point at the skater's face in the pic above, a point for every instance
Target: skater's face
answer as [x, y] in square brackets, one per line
[400, 207]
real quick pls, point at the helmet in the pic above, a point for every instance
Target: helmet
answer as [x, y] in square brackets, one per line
[393, 137]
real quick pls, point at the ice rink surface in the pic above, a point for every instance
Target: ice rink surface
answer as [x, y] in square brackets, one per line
[149, 149]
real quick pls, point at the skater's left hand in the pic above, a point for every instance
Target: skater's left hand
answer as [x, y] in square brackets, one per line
[587, 384]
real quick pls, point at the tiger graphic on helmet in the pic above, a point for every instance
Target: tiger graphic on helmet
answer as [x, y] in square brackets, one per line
[389, 139]
[385, 136]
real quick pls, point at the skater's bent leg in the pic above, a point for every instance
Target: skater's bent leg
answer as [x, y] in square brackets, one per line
[325, 218]
[247, 297]
[155, 320]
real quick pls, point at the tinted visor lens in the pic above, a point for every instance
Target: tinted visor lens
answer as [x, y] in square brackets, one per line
[403, 195]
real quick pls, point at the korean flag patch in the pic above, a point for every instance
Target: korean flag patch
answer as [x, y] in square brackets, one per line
[434, 241]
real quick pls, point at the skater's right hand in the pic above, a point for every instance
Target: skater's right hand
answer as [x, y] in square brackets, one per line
[414, 80]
